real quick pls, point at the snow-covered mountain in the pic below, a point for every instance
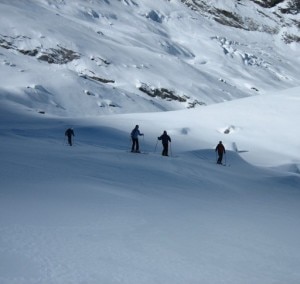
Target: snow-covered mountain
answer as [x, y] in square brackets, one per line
[102, 57]
[204, 71]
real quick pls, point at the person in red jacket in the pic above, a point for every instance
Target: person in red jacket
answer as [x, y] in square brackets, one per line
[221, 150]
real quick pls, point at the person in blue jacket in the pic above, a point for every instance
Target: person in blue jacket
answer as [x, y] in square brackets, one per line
[135, 133]
[165, 139]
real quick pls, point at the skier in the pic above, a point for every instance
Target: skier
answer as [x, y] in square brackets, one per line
[135, 133]
[69, 133]
[165, 139]
[221, 150]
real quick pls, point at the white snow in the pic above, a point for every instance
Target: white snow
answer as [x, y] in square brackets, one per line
[96, 213]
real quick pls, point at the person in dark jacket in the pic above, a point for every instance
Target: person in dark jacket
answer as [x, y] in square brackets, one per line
[221, 150]
[69, 133]
[165, 139]
[135, 133]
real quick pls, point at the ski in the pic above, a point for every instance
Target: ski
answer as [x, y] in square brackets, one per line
[224, 165]
[134, 152]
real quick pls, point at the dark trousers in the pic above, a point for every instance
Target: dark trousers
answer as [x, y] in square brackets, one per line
[135, 145]
[165, 149]
[220, 158]
[70, 140]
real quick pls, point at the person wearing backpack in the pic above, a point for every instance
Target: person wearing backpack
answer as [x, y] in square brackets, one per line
[135, 133]
[221, 150]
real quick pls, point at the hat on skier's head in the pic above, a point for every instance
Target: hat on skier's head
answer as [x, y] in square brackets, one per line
[165, 132]
[220, 142]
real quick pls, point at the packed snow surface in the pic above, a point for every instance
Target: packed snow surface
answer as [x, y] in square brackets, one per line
[95, 212]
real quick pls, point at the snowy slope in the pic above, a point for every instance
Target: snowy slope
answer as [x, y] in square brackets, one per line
[96, 213]
[67, 47]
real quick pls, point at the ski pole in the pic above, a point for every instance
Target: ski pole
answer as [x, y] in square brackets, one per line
[155, 146]
[143, 140]
[225, 157]
[171, 149]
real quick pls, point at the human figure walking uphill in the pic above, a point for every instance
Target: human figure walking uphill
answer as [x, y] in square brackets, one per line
[165, 139]
[135, 133]
[69, 133]
[221, 150]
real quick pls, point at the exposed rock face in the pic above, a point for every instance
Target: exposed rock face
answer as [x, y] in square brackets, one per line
[169, 95]
[161, 92]
[96, 78]
[233, 19]
[267, 3]
[293, 7]
[57, 55]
